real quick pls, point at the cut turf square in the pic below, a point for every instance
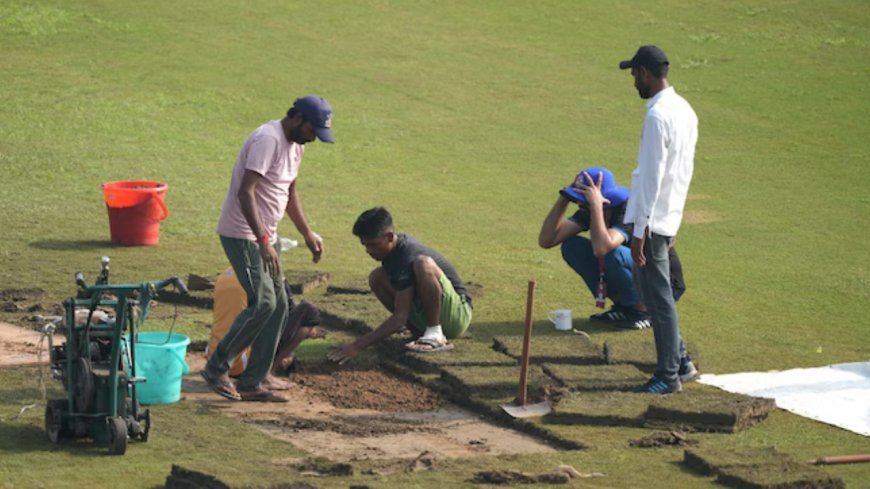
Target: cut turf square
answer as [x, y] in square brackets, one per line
[712, 410]
[599, 408]
[493, 382]
[637, 350]
[640, 352]
[466, 353]
[758, 468]
[596, 377]
[574, 349]
[357, 287]
[788, 475]
[358, 313]
[708, 461]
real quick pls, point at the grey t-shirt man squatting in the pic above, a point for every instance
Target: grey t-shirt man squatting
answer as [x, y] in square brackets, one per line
[399, 265]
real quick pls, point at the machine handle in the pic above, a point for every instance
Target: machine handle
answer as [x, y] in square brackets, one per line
[80, 280]
[179, 284]
[173, 280]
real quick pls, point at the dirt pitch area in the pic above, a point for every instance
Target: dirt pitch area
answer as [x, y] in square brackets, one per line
[342, 413]
[19, 346]
[348, 414]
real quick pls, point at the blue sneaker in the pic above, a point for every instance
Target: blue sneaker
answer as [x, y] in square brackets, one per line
[658, 386]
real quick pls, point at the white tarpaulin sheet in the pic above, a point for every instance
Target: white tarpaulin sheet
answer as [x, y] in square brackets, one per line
[835, 394]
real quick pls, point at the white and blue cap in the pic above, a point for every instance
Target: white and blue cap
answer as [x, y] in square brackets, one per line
[316, 111]
[609, 189]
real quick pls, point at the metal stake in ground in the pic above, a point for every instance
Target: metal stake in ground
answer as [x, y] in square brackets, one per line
[521, 409]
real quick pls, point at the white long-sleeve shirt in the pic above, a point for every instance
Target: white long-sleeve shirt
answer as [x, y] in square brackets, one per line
[665, 162]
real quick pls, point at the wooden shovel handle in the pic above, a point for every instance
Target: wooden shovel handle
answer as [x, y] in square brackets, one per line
[524, 366]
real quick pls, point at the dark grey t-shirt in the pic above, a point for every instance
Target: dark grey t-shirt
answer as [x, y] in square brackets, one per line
[399, 265]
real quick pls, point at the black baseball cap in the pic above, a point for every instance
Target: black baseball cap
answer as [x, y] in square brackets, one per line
[649, 57]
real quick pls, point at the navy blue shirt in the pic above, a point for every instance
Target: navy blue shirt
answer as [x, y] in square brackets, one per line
[582, 218]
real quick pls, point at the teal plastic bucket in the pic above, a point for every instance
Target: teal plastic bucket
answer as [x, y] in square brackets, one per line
[160, 359]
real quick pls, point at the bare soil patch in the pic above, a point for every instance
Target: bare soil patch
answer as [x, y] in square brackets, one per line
[21, 295]
[353, 414]
[364, 388]
[19, 346]
[18, 300]
[700, 217]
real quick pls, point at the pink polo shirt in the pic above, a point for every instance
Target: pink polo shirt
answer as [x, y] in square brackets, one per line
[267, 152]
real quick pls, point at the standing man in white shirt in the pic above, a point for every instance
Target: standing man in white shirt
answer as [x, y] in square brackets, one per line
[659, 187]
[262, 189]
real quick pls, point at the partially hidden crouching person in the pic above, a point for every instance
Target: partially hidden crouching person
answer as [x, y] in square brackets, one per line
[230, 299]
[603, 259]
[415, 283]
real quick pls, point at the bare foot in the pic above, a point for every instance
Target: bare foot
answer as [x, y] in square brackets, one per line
[273, 383]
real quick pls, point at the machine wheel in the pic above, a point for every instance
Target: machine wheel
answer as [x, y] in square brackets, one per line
[84, 385]
[118, 430]
[54, 411]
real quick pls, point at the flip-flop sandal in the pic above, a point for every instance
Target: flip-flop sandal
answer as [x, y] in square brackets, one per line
[221, 387]
[261, 395]
[432, 345]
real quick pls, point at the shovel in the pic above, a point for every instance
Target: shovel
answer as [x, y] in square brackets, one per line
[521, 409]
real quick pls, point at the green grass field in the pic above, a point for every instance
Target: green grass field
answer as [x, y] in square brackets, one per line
[463, 119]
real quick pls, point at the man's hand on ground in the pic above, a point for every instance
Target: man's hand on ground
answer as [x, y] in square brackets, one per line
[343, 353]
[315, 244]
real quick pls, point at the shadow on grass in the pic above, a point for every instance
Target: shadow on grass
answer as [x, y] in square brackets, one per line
[682, 467]
[70, 244]
[23, 438]
[31, 438]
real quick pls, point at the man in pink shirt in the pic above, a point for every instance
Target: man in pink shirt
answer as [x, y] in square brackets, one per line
[262, 189]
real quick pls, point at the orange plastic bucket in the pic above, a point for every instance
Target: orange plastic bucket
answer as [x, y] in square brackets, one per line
[135, 211]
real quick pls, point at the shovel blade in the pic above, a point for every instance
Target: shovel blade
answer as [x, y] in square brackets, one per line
[527, 411]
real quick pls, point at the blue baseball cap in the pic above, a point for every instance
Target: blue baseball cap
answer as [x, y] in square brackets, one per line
[318, 113]
[609, 189]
